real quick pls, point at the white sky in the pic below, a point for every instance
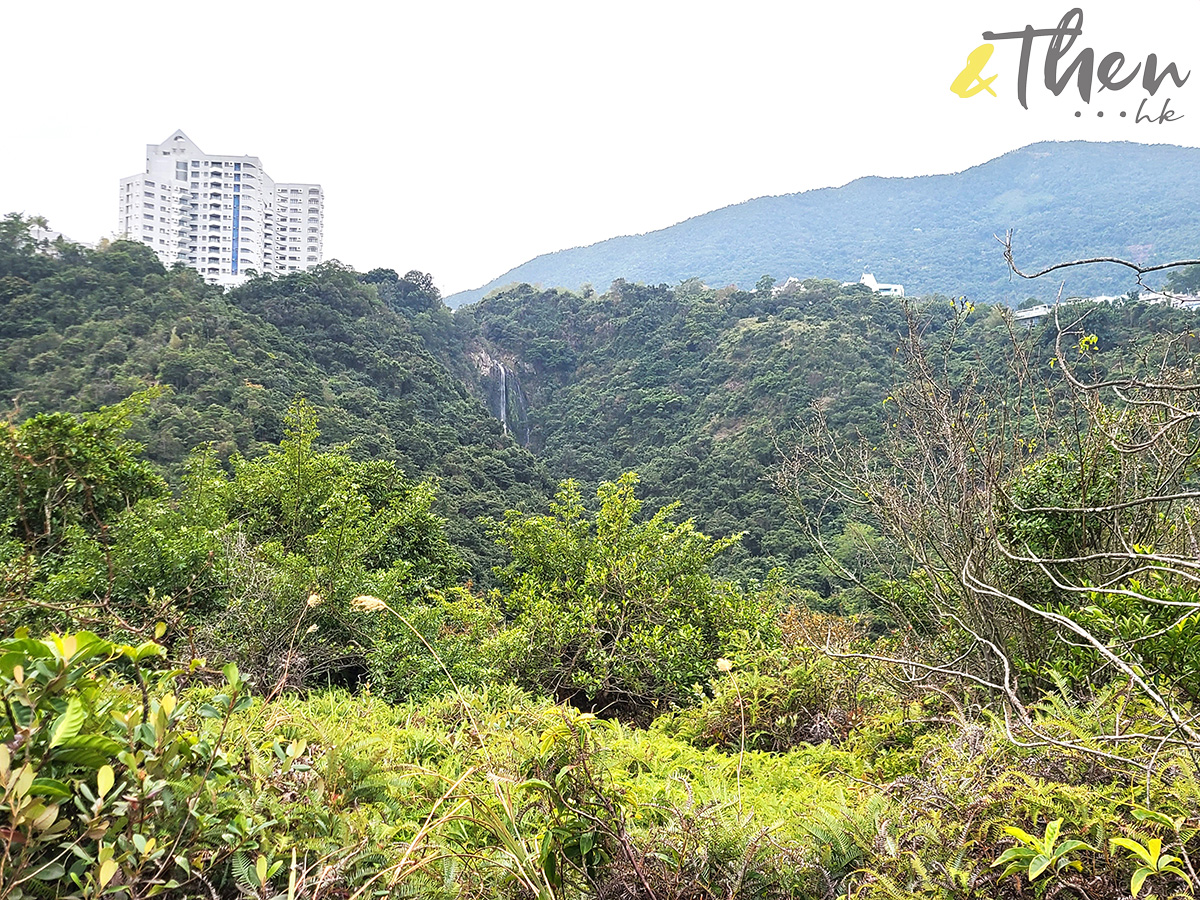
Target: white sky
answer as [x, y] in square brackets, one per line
[463, 138]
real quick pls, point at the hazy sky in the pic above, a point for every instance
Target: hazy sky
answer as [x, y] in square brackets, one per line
[465, 138]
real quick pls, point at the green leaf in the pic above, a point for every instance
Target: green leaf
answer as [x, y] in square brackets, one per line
[90, 750]
[1038, 865]
[1021, 854]
[1067, 846]
[148, 650]
[51, 872]
[1149, 815]
[1014, 869]
[49, 787]
[1023, 836]
[88, 645]
[68, 724]
[1175, 870]
[99, 742]
[260, 869]
[1133, 847]
[1139, 877]
[1155, 848]
[1051, 838]
[104, 781]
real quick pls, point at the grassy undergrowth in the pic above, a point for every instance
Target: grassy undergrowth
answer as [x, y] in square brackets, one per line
[174, 790]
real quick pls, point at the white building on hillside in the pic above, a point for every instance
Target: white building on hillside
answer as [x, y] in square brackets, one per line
[888, 290]
[223, 216]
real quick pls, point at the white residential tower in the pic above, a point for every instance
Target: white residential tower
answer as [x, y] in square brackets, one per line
[223, 216]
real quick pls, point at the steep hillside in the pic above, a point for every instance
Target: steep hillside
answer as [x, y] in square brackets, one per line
[80, 329]
[931, 234]
[701, 391]
[697, 390]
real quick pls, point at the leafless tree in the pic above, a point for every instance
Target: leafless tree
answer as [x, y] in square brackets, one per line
[1039, 518]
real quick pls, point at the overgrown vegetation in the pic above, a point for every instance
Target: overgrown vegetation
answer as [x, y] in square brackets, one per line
[376, 355]
[269, 672]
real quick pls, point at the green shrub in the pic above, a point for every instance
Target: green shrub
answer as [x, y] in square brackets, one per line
[614, 613]
[106, 789]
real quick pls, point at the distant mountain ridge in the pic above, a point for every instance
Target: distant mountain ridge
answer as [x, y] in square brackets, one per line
[931, 233]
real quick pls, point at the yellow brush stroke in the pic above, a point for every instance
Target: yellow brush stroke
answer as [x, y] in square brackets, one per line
[970, 81]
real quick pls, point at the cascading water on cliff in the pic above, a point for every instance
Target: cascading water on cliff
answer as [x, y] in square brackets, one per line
[503, 405]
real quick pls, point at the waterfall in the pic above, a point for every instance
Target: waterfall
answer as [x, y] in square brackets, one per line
[503, 397]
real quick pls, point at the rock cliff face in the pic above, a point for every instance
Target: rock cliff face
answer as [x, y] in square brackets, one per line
[500, 389]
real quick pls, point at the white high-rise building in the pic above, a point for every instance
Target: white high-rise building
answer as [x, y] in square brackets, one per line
[221, 215]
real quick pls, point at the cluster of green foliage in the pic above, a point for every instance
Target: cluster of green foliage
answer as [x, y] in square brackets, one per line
[110, 785]
[701, 390]
[261, 669]
[614, 613]
[376, 355]
[119, 778]
[266, 565]
[258, 565]
[695, 389]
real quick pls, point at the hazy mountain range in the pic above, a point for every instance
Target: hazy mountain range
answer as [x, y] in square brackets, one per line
[933, 233]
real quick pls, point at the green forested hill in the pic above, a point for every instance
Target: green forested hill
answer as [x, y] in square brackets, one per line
[698, 391]
[270, 678]
[80, 329]
[695, 390]
[702, 391]
[932, 234]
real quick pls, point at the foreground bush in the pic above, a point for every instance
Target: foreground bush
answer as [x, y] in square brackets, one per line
[614, 613]
[116, 783]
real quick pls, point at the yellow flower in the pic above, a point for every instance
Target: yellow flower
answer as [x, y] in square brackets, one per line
[367, 603]
[724, 665]
[315, 599]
